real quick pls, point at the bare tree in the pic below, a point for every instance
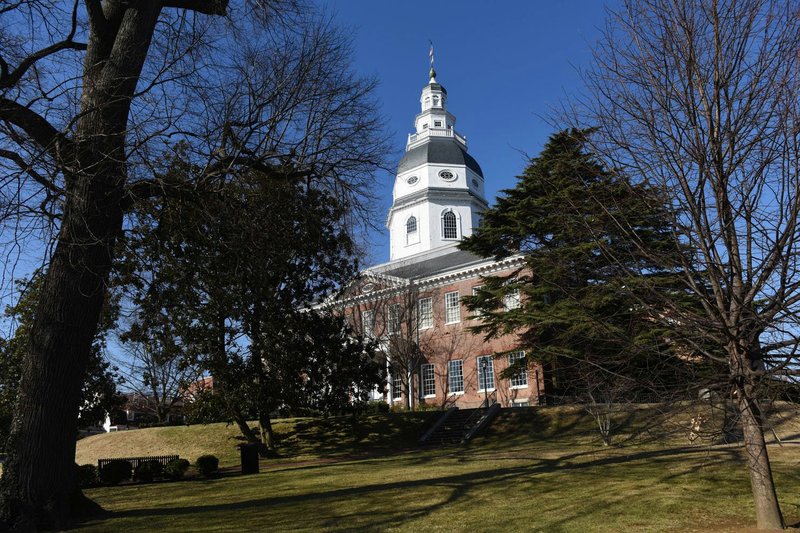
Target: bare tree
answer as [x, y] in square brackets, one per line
[702, 98]
[158, 374]
[407, 318]
[93, 97]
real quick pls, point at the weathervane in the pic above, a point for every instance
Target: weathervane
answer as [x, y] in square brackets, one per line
[430, 56]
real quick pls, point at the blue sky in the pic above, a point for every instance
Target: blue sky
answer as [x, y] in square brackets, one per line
[504, 64]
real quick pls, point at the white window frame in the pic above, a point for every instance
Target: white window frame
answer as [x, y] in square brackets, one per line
[397, 387]
[393, 320]
[489, 373]
[452, 309]
[425, 311]
[447, 214]
[412, 237]
[452, 366]
[478, 313]
[511, 300]
[512, 358]
[428, 379]
[368, 323]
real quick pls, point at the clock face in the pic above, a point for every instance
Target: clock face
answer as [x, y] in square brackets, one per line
[412, 180]
[447, 175]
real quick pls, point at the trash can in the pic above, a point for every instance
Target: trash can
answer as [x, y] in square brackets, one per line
[249, 454]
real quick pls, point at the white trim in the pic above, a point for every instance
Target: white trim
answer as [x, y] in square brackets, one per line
[487, 267]
[518, 387]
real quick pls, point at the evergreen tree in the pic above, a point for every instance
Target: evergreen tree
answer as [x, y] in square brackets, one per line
[575, 303]
[234, 273]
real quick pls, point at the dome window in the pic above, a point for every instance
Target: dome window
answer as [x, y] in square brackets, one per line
[449, 225]
[412, 180]
[412, 235]
[447, 175]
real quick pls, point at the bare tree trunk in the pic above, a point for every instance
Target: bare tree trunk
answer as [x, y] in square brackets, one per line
[768, 511]
[267, 434]
[244, 427]
[38, 487]
[38, 483]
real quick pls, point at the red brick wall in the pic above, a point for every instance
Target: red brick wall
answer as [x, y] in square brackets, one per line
[447, 342]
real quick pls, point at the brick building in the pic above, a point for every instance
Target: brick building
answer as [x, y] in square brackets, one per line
[412, 304]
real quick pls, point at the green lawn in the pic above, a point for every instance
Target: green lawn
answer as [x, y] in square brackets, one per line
[535, 471]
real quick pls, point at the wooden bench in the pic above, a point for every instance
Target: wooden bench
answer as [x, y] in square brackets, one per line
[136, 461]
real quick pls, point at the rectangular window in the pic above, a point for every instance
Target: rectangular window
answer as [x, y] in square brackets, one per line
[393, 323]
[425, 313]
[477, 312]
[397, 386]
[485, 375]
[520, 379]
[511, 299]
[452, 308]
[437, 123]
[368, 323]
[455, 376]
[428, 381]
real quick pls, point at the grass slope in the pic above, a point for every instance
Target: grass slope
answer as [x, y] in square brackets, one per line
[298, 439]
[535, 470]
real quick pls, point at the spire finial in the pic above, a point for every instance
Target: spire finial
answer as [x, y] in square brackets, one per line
[432, 73]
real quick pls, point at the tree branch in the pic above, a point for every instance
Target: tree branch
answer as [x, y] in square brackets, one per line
[28, 169]
[9, 79]
[34, 125]
[207, 7]
[96, 17]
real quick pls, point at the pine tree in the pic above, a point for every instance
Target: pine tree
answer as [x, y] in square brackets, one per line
[578, 293]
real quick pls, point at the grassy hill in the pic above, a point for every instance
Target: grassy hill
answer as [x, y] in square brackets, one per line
[298, 438]
[534, 470]
[310, 438]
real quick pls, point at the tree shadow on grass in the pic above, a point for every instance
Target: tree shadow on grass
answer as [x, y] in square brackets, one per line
[456, 487]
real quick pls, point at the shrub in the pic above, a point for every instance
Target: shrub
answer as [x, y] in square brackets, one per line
[115, 472]
[428, 407]
[176, 468]
[147, 471]
[207, 465]
[376, 407]
[87, 476]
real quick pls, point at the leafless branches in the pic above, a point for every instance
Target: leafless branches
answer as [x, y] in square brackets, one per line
[701, 98]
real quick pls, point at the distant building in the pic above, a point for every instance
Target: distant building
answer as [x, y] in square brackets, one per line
[413, 302]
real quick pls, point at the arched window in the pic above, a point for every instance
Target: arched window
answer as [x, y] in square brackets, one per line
[449, 225]
[412, 236]
[436, 101]
[411, 225]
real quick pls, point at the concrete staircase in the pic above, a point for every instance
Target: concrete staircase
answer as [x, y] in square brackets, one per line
[459, 425]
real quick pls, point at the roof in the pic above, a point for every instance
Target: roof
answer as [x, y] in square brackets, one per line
[443, 151]
[429, 267]
[437, 87]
